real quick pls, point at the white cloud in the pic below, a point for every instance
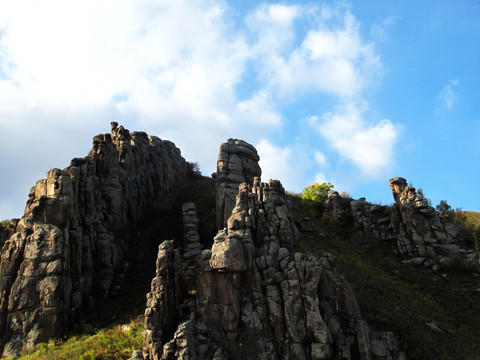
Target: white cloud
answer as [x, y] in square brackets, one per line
[290, 164]
[380, 31]
[259, 109]
[332, 57]
[321, 159]
[368, 146]
[273, 28]
[174, 69]
[321, 178]
[448, 95]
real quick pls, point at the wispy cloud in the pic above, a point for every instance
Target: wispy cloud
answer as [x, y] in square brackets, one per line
[448, 95]
[368, 145]
[380, 31]
[331, 57]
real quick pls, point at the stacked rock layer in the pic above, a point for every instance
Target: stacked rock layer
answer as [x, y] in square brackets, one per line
[421, 233]
[256, 297]
[237, 163]
[72, 242]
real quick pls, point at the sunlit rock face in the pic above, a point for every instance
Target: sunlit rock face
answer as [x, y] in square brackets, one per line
[257, 296]
[237, 162]
[72, 243]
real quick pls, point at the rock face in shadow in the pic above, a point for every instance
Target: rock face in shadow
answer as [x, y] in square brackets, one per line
[369, 221]
[421, 233]
[256, 296]
[72, 242]
[237, 162]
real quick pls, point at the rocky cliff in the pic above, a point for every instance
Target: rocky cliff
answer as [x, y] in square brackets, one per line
[71, 245]
[254, 295]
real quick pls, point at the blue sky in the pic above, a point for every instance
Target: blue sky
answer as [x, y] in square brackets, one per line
[350, 92]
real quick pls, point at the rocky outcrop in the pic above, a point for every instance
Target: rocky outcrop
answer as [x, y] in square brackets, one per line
[193, 248]
[373, 221]
[237, 162]
[370, 222]
[257, 297]
[337, 207]
[72, 242]
[421, 233]
[422, 237]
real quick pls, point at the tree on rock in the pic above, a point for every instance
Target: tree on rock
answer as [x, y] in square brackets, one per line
[445, 211]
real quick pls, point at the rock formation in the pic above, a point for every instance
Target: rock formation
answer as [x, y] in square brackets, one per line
[256, 296]
[370, 222]
[237, 163]
[72, 242]
[422, 235]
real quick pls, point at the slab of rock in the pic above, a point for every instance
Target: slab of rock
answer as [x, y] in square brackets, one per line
[72, 243]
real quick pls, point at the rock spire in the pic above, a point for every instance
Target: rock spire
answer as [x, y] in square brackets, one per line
[237, 162]
[257, 296]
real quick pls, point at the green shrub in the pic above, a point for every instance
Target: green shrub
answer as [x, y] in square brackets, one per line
[317, 192]
[314, 197]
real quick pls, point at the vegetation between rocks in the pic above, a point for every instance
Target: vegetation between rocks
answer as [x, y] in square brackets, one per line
[393, 296]
[404, 299]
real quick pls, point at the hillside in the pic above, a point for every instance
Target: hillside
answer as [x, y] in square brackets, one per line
[232, 267]
[392, 295]
[404, 298]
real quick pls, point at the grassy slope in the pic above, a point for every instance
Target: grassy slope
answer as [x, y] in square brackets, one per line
[473, 218]
[111, 343]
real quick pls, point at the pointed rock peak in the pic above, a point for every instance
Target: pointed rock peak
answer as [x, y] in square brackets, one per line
[237, 162]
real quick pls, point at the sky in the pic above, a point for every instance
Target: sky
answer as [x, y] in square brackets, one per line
[350, 92]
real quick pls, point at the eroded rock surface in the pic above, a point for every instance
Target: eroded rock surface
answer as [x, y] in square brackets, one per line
[370, 222]
[257, 297]
[72, 242]
[421, 233]
[422, 237]
[237, 162]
